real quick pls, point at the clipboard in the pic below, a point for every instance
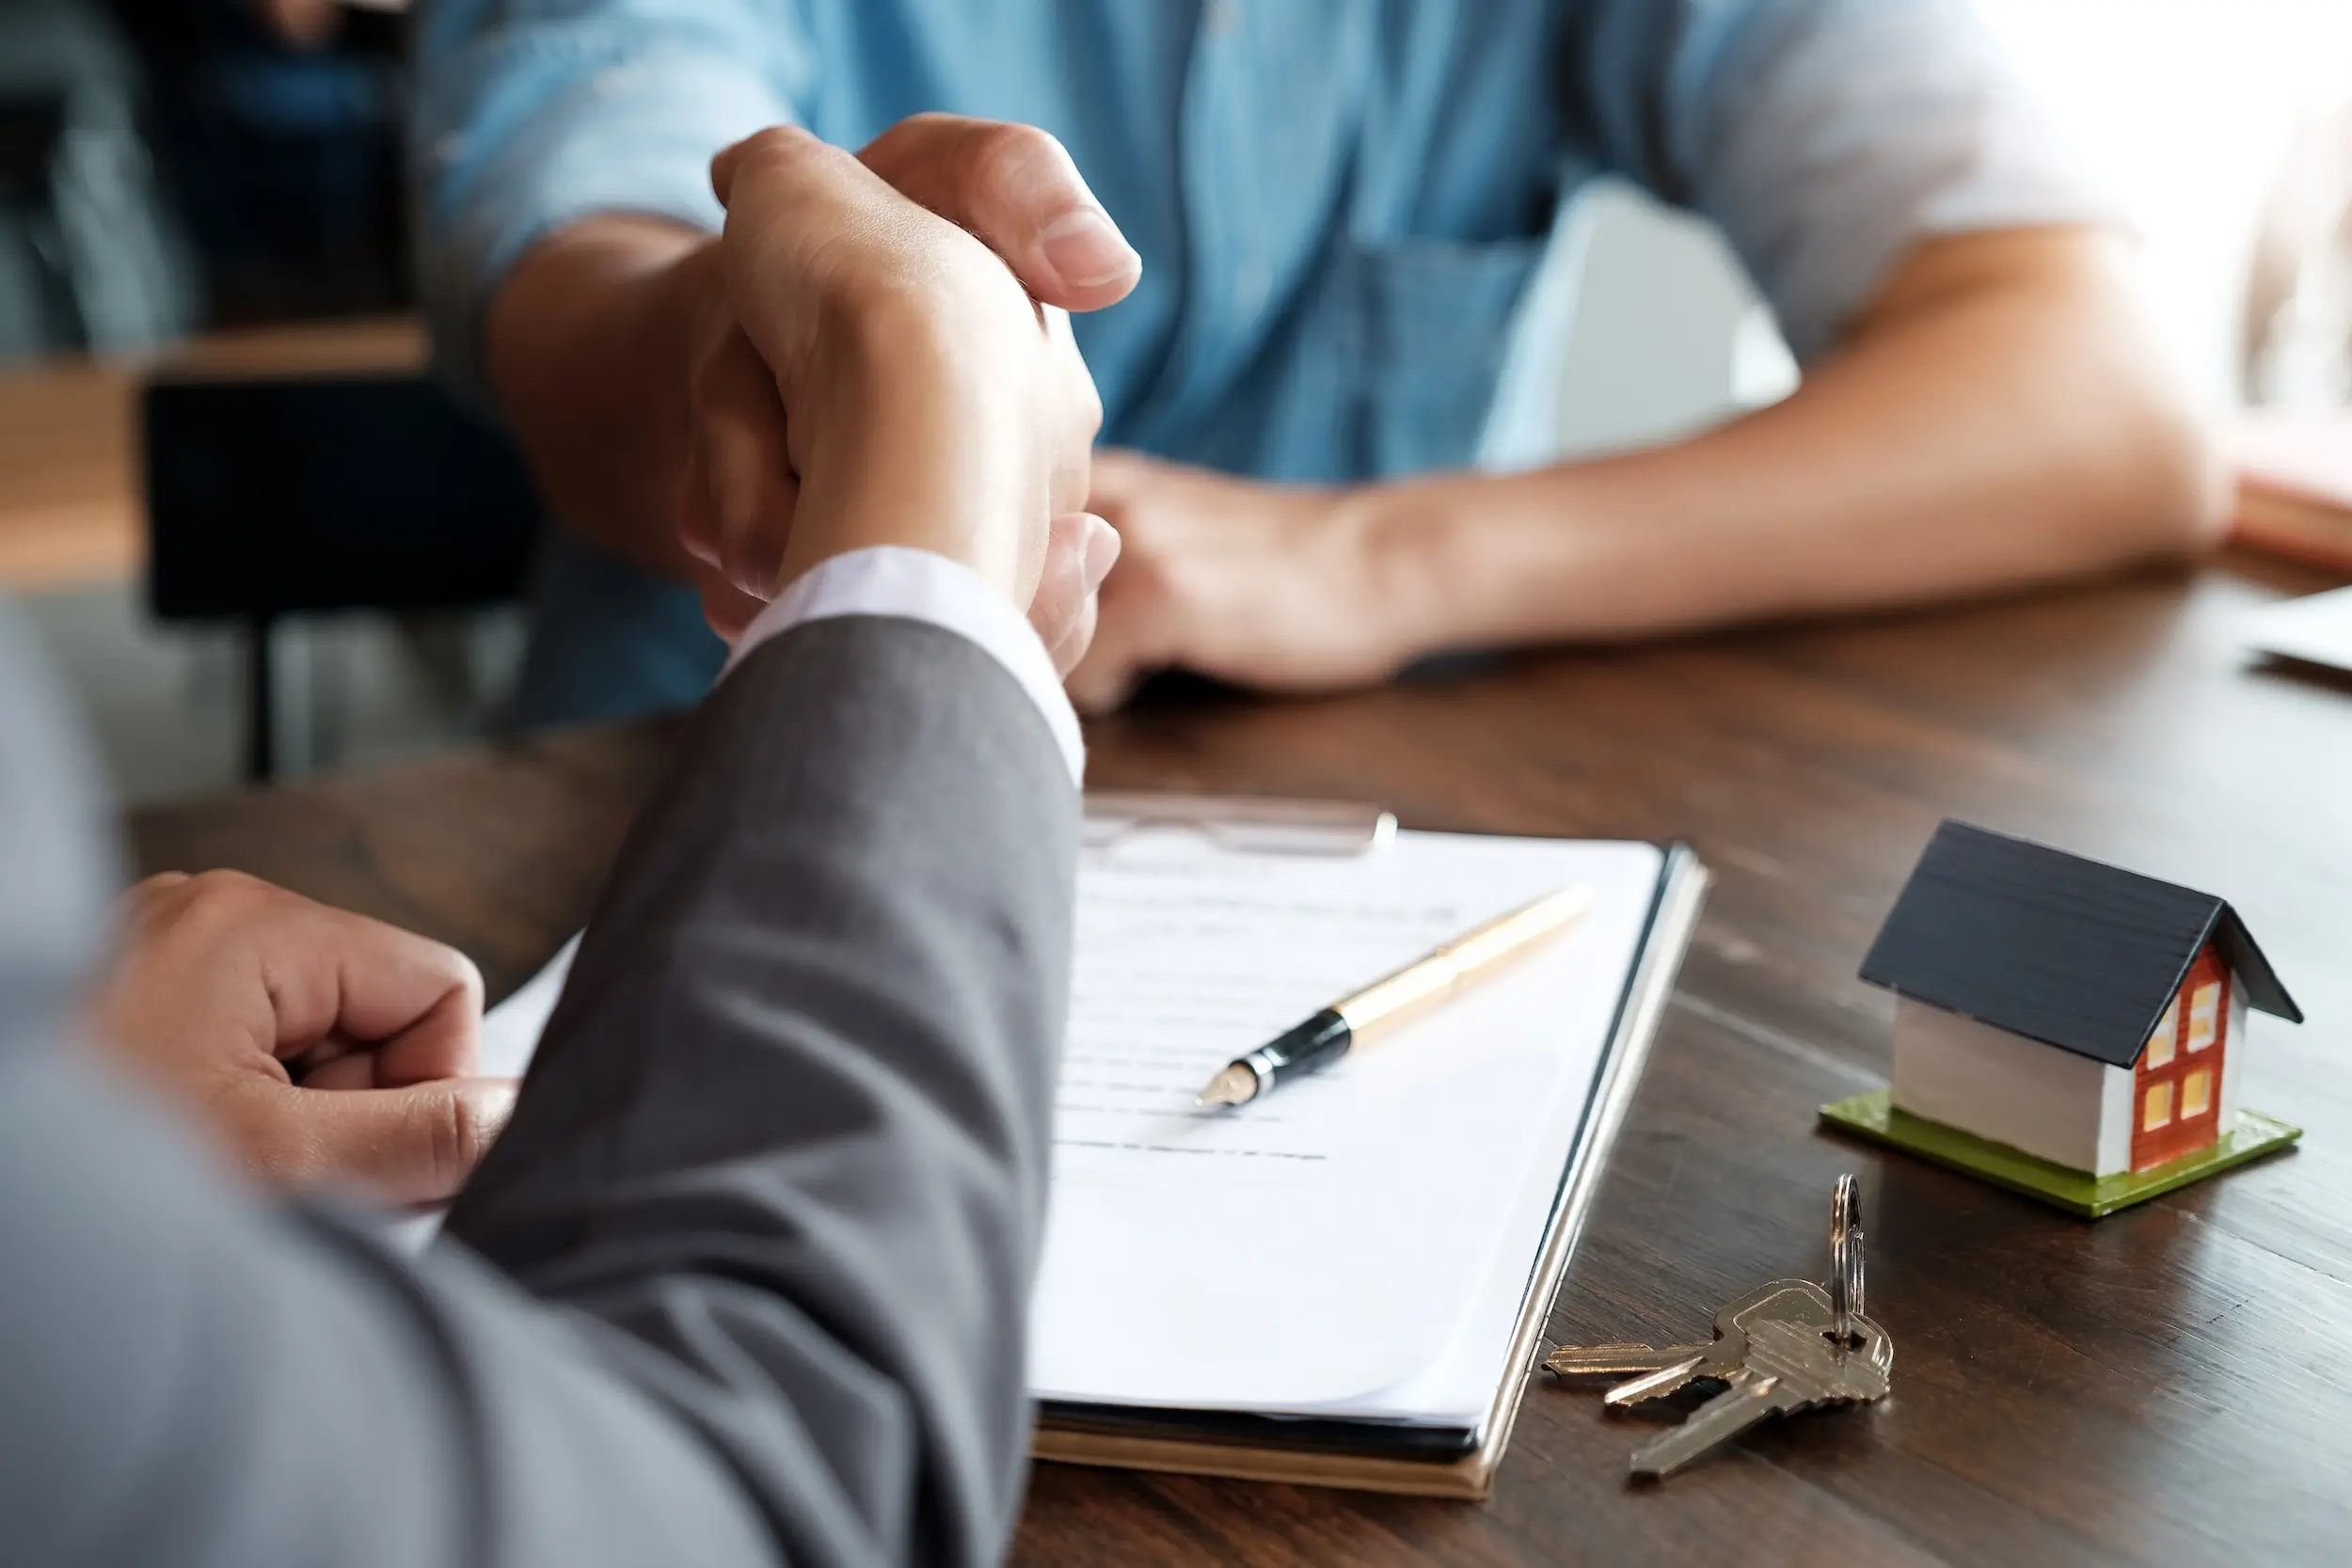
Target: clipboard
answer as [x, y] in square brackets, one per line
[1373, 1455]
[1248, 823]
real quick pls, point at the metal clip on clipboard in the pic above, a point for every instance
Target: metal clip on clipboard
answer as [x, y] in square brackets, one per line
[1251, 824]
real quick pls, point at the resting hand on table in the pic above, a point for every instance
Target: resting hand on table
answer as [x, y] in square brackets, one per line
[313, 1044]
[826, 259]
[1276, 587]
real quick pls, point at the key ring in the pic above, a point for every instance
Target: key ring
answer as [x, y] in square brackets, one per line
[1845, 1258]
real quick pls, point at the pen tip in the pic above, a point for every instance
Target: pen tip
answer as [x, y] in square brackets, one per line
[1232, 1086]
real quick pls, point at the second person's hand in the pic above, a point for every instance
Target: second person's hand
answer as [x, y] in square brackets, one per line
[313, 1044]
[1275, 587]
[1011, 188]
[916, 394]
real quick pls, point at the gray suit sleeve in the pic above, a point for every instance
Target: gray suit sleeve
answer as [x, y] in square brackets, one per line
[744, 1282]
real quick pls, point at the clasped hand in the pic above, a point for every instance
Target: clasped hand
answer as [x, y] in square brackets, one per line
[865, 371]
[1291, 589]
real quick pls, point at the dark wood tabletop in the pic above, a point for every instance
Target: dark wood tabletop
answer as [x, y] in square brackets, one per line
[2170, 1385]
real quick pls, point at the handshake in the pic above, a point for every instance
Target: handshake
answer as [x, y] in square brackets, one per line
[879, 353]
[864, 372]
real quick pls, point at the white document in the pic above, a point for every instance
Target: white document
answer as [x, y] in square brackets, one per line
[2317, 629]
[510, 1031]
[1359, 1242]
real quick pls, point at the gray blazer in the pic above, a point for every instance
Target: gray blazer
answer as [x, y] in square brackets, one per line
[744, 1282]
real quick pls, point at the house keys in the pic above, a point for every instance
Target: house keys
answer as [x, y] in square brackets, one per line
[1845, 1257]
[1781, 1348]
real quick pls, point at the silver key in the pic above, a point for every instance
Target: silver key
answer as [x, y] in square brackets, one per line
[1792, 1364]
[1618, 1360]
[1787, 1346]
[1672, 1366]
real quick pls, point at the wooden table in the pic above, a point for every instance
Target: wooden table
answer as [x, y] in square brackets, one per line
[70, 511]
[2170, 1385]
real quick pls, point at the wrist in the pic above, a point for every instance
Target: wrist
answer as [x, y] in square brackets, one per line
[587, 347]
[917, 441]
[1400, 532]
[611, 297]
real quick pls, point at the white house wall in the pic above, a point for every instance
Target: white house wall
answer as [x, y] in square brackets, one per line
[2050, 1103]
[2119, 1093]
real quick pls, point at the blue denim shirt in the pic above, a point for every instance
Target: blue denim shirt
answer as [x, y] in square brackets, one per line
[1338, 202]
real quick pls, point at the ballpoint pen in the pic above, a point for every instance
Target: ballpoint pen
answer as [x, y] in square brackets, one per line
[1387, 1003]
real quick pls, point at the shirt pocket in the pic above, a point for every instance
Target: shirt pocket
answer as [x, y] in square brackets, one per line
[1427, 322]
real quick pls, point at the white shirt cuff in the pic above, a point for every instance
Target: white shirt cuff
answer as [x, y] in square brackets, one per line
[917, 585]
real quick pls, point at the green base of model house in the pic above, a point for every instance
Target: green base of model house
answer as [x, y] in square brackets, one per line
[1873, 1116]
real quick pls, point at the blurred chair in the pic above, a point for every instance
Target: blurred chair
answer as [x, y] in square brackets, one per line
[1640, 328]
[273, 498]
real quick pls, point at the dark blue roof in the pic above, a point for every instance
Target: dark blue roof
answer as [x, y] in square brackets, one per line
[2063, 950]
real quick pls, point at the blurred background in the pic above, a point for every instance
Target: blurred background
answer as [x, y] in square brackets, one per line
[193, 188]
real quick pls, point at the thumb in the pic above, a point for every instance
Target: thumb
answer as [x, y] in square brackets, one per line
[415, 1145]
[1016, 188]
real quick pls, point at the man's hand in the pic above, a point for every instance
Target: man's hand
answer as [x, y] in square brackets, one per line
[623, 350]
[1011, 187]
[1276, 587]
[315, 1045]
[891, 382]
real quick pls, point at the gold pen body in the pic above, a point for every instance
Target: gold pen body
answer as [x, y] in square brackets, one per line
[1391, 1002]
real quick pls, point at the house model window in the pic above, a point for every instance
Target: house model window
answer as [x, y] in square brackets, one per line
[2085, 1015]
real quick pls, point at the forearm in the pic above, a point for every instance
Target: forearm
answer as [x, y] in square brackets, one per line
[586, 347]
[1997, 419]
[787, 1127]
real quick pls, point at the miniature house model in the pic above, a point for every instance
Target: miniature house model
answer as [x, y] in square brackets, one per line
[2085, 1015]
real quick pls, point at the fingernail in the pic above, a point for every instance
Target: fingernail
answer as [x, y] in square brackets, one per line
[493, 1102]
[1087, 250]
[1103, 546]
